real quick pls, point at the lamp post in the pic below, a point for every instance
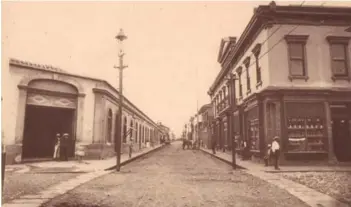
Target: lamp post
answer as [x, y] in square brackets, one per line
[231, 83]
[118, 139]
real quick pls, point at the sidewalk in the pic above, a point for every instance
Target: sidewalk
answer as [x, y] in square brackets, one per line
[93, 169]
[304, 193]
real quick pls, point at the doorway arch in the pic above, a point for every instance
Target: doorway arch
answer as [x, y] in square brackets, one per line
[50, 108]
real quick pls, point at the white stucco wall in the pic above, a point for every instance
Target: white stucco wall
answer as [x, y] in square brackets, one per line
[317, 55]
[263, 63]
[10, 93]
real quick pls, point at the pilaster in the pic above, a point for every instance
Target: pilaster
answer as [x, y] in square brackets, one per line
[21, 111]
[331, 155]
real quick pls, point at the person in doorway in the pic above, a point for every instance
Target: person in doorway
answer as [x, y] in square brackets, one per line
[130, 147]
[267, 155]
[56, 155]
[64, 147]
[276, 151]
[214, 143]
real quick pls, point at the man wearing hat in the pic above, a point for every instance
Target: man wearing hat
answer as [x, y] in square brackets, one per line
[64, 147]
[276, 151]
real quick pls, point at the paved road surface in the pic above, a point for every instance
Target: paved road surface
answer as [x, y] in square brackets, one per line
[176, 177]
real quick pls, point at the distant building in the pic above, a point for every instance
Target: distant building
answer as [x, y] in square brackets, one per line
[292, 65]
[205, 116]
[164, 131]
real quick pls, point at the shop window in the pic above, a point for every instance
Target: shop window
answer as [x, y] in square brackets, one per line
[305, 125]
[339, 57]
[305, 134]
[256, 51]
[253, 134]
[297, 56]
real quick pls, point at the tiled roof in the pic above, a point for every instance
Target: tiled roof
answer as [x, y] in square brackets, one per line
[35, 65]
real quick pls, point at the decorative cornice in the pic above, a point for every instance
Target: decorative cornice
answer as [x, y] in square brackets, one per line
[296, 38]
[247, 61]
[257, 49]
[239, 70]
[338, 39]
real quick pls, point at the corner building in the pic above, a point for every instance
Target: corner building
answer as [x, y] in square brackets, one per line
[293, 80]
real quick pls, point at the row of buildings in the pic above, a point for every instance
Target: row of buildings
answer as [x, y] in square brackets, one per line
[288, 75]
[39, 101]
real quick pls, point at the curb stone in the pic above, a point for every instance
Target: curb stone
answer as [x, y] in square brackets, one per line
[137, 157]
[222, 159]
[308, 195]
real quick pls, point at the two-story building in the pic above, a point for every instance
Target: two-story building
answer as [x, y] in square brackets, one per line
[293, 80]
[205, 116]
[39, 101]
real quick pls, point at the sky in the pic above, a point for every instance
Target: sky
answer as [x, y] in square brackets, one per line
[171, 50]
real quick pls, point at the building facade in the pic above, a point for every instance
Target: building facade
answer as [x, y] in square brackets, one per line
[292, 80]
[205, 116]
[40, 101]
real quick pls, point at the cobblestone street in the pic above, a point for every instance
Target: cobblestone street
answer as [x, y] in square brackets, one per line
[176, 177]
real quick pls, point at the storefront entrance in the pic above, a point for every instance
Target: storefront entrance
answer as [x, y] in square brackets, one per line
[341, 128]
[50, 109]
[41, 125]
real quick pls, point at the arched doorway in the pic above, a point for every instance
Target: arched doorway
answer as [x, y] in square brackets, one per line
[50, 109]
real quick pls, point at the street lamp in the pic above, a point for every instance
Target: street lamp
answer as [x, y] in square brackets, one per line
[118, 139]
[231, 83]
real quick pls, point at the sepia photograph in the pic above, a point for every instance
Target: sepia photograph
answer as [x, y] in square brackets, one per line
[175, 103]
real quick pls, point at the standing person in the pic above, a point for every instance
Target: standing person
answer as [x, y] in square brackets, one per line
[130, 147]
[267, 155]
[56, 155]
[214, 143]
[276, 151]
[79, 151]
[184, 143]
[64, 147]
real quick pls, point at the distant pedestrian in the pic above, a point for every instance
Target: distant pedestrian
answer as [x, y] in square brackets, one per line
[56, 155]
[276, 151]
[214, 143]
[64, 147]
[184, 143]
[267, 155]
[246, 150]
